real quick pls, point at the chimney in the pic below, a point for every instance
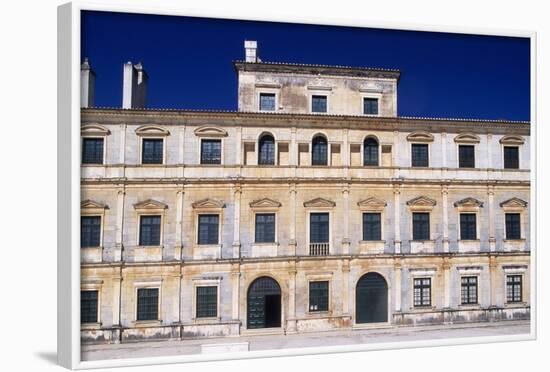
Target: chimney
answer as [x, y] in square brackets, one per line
[251, 51]
[87, 84]
[134, 86]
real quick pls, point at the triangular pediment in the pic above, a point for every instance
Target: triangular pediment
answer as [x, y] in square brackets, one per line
[210, 131]
[514, 203]
[420, 136]
[208, 203]
[265, 203]
[150, 204]
[512, 140]
[422, 201]
[94, 130]
[469, 202]
[90, 204]
[372, 202]
[319, 203]
[152, 130]
[467, 138]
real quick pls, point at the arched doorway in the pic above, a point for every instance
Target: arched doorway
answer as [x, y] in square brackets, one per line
[371, 299]
[263, 304]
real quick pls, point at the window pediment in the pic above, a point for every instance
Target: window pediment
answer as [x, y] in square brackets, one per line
[319, 203]
[90, 204]
[210, 131]
[152, 130]
[467, 138]
[469, 203]
[265, 203]
[512, 140]
[94, 130]
[514, 203]
[422, 203]
[208, 204]
[150, 204]
[371, 203]
[420, 136]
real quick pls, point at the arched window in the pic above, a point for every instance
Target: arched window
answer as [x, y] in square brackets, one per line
[370, 151]
[266, 150]
[319, 152]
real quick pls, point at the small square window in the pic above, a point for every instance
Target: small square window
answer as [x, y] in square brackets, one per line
[514, 288]
[318, 103]
[468, 290]
[207, 302]
[370, 106]
[208, 229]
[90, 231]
[372, 229]
[422, 292]
[152, 151]
[147, 303]
[419, 155]
[318, 296]
[468, 227]
[513, 226]
[265, 228]
[211, 151]
[466, 156]
[511, 157]
[421, 226]
[149, 230]
[92, 151]
[267, 101]
[88, 306]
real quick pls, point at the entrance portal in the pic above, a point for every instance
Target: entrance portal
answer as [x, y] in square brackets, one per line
[371, 299]
[264, 304]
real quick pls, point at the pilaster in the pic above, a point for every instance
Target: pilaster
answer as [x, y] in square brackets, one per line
[237, 191]
[445, 202]
[346, 239]
[292, 226]
[397, 218]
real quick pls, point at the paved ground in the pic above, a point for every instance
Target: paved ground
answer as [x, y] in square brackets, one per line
[265, 342]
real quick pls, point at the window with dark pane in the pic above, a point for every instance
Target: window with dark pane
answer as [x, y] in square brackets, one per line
[422, 292]
[318, 296]
[372, 228]
[92, 151]
[513, 226]
[147, 303]
[370, 152]
[90, 231]
[208, 228]
[211, 151]
[207, 302]
[511, 157]
[266, 154]
[468, 227]
[318, 227]
[466, 156]
[318, 103]
[419, 155]
[149, 230]
[265, 228]
[513, 288]
[370, 106]
[421, 226]
[152, 151]
[267, 101]
[319, 151]
[468, 290]
[88, 306]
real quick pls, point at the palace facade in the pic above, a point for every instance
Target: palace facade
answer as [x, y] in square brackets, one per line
[314, 207]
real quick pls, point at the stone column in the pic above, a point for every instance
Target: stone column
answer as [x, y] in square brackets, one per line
[119, 246]
[397, 284]
[291, 317]
[237, 221]
[239, 154]
[346, 239]
[493, 279]
[491, 217]
[444, 149]
[122, 153]
[345, 288]
[117, 291]
[292, 226]
[446, 283]
[445, 202]
[178, 249]
[235, 289]
[397, 218]
[395, 152]
[490, 150]
[293, 147]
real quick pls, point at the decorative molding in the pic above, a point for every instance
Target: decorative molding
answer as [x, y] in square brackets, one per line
[469, 203]
[371, 203]
[94, 130]
[208, 204]
[150, 130]
[90, 204]
[514, 203]
[319, 203]
[420, 136]
[265, 203]
[512, 140]
[210, 131]
[467, 138]
[422, 201]
[318, 87]
[150, 204]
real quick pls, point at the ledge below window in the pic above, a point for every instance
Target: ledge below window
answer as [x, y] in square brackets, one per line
[146, 323]
[207, 251]
[514, 245]
[264, 249]
[90, 326]
[147, 253]
[371, 246]
[465, 246]
[422, 246]
[91, 254]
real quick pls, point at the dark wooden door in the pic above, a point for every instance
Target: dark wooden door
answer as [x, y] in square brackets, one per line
[371, 299]
[264, 304]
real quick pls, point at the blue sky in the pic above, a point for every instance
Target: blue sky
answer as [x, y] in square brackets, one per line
[189, 61]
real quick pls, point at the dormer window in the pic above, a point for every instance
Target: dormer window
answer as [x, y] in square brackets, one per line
[267, 101]
[319, 103]
[370, 106]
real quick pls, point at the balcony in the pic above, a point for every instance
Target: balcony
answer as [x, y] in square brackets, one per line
[319, 249]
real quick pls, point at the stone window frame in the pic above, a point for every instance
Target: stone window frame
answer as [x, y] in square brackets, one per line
[419, 273]
[262, 206]
[320, 277]
[369, 94]
[319, 205]
[464, 271]
[204, 207]
[319, 91]
[469, 139]
[150, 207]
[372, 205]
[152, 132]
[90, 208]
[93, 285]
[152, 284]
[512, 141]
[362, 149]
[257, 149]
[329, 149]
[210, 132]
[214, 281]
[469, 205]
[267, 89]
[94, 131]
[513, 269]
[515, 205]
[421, 204]
[420, 137]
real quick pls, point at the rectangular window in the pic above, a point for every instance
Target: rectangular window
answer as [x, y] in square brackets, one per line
[265, 228]
[90, 231]
[421, 226]
[207, 302]
[92, 151]
[267, 101]
[88, 306]
[372, 228]
[468, 228]
[466, 156]
[370, 106]
[422, 292]
[152, 151]
[511, 157]
[208, 228]
[211, 151]
[147, 303]
[468, 290]
[419, 155]
[149, 230]
[513, 288]
[318, 103]
[318, 296]
[318, 227]
[513, 226]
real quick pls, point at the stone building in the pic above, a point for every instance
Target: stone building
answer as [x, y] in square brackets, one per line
[313, 207]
